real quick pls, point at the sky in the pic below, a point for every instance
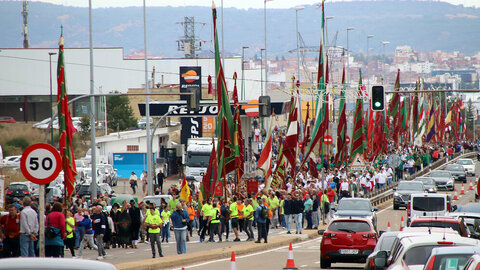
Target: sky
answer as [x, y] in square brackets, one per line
[241, 4]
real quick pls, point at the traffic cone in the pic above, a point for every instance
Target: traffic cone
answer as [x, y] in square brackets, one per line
[470, 187]
[402, 224]
[233, 265]
[455, 196]
[462, 190]
[388, 226]
[290, 261]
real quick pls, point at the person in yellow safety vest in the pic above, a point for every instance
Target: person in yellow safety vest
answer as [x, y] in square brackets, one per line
[248, 217]
[166, 222]
[154, 223]
[214, 222]
[234, 217]
[204, 221]
[70, 238]
[241, 223]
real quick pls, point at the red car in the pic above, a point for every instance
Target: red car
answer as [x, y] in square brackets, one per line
[7, 119]
[441, 222]
[347, 240]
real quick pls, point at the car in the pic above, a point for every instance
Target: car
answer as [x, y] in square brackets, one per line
[84, 190]
[428, 183]
[471, 221]
[413, 252]
[110, 173]
[443, 179]
[467, 164]
[7, 119]
[356, 207]
[12, 161]
[106, 189]
[157, 199]
[349, 239]
[17, 190]
[79, 163]
[42, 124]
[142, 123]
[401, 196]
[473, 263]
[450, 257]
[428, 205]
[441, 222]
[457, 171]
[53, 264]
[52, 195]
[385, 242]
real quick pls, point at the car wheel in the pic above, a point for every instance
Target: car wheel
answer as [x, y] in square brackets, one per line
[465, 181]
[324, 264]
[395, 207]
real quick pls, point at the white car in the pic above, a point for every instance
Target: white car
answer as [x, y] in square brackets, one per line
[413, 252]
[468, 165]
[12, 161]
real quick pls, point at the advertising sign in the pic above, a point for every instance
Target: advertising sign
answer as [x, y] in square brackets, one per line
[192, 127]
[208, 124]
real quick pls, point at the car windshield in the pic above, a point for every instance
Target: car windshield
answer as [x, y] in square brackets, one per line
[428, 203]
[18, 187]
[440, 174]
[451, 261]
[465, 162]
[418, 255]
[198, 159]
[426, 181]
[349, 226]
[454, 167]
[410, 186]
[354, 205]
[438, 224]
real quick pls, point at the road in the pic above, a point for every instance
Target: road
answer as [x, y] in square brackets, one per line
[307, 254]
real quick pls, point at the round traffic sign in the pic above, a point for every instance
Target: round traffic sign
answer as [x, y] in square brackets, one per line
[251, 110]
[327, 139]
[347, 139]
[40, 163]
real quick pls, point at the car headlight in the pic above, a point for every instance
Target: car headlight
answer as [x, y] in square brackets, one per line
[431, 190]
[396, 194]
[450, 182]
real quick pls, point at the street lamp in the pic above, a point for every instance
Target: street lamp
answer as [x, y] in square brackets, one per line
[348, 56]
[366, 61]
[261, 69]
[243, 70]
[297, 9]
[383, 51]
[326, 27]
[50, 54]
[265, 36]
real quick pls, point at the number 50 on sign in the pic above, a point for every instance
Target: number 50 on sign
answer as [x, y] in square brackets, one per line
[40, 163]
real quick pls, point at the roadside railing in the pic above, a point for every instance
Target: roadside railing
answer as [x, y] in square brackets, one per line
[382, 195]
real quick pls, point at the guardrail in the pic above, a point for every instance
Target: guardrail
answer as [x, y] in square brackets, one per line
[384, 194]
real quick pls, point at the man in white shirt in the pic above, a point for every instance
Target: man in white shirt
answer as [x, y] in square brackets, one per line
[382, 178]
[28, 229]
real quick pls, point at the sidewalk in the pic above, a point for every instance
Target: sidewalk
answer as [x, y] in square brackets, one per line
[215, 254]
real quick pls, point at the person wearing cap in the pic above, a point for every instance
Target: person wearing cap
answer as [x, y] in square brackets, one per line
[133, 182]
[154, 223]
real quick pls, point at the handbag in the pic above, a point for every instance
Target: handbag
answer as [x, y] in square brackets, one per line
[50, 232]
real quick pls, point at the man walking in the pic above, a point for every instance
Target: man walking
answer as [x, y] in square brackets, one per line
[160, 178]
[28, 229]
[179, 219]
[261, 215]
[154, 223]
[234, 217]
[288, 211]
[133, 182]
[10, 232]
[248, 217]
[99, 226]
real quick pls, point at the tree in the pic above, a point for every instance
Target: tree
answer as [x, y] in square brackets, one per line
[119, 113]
[84, 130]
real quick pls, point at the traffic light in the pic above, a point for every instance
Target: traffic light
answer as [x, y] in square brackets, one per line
[377, 98]
[265, 108]
[193, 100]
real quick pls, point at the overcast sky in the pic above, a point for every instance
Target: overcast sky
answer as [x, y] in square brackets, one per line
[242, 4]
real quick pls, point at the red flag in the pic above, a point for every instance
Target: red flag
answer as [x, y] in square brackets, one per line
[370, 131]
[65, 127]
[237, 135]
[291, 138]
[313, 168]
[212, 166]
[210, 86]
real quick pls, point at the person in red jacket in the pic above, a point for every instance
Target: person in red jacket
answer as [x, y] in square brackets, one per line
[55, 223]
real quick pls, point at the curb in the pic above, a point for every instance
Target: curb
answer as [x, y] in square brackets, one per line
[215, 254]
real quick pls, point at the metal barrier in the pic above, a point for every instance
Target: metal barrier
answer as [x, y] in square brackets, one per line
[379, 196]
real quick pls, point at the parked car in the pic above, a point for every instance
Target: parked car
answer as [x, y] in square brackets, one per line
[467, 164]
[428, 183]
[52, 195]
[12, 161]
[450, 257]
[356, 207]
[457, 171]
[441, 222]
[401, 196]
[347, 240]
[428, 205]
[106, 189]
[84, 190]
[443, 179]
[7, 119]
[473, 263]
[17, 190]
[110, 173]
[385, 242]
[142, 123]
[157, 199]
[53, 264]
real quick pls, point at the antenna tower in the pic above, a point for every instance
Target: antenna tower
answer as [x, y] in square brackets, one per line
[189, 43]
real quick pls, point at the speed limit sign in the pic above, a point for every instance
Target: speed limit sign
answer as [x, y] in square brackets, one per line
[40, 163]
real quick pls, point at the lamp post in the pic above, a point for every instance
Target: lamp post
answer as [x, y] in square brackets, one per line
[383, 52]
[326, 27]
[348, 56]
[242, 96]
[366, 61]
[297, 9]
[50, 54]
[261, 69]
[147, 104]
[265, 36]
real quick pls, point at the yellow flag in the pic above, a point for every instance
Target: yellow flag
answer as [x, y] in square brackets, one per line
[185, 191]
[449, 118]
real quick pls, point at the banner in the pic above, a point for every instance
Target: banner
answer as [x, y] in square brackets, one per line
[252, 186]
[191, 126]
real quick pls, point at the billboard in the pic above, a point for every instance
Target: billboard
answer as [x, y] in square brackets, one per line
[191, 126]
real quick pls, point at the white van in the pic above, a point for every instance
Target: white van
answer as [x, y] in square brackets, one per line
[428, 205]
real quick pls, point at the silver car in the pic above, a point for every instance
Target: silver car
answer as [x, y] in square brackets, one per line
[443, 179]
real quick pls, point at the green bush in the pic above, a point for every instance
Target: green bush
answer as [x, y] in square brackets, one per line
[20, 142]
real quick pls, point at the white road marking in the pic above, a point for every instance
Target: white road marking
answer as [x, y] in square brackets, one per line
[304, 265]
[317, 262]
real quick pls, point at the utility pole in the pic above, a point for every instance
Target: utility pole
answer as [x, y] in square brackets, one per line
[26, 42]
[147, 105]
[93, 144]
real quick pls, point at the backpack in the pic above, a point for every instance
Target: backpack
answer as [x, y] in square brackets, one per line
[264, 213]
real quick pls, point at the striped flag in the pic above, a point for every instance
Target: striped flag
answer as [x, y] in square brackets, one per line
[341, 154]
[65, 127]
[358, 136]
[394, 110]
[291, 138]
[265, 160]
[431, 123]
[237, 135]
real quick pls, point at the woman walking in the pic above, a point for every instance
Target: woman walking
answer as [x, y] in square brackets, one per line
[55, 231]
